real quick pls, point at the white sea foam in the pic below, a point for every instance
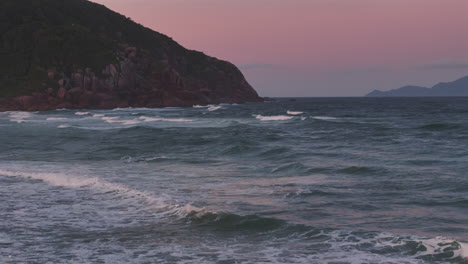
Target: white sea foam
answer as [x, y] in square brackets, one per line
[440, 245]
[214, 108]
[99, 115]
[115, 120]
[64, 126]
[201, 106]
[160, 119]
[82, 113]
[19, 117]
[463, 252]
[57, 119]
[162, 203]
[274, 118]
[55, 179]
[294, 113]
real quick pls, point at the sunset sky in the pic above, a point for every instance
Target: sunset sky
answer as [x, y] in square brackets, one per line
[319, 47]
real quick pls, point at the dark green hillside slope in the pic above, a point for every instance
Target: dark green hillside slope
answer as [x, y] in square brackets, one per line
[78, 54]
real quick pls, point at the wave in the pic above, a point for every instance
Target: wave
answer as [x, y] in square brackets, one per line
[332, 244]
[19, 116]
[161, 203]
[57, 119]
[274, 118]
[233, 221]
[82, 113]
[324, 118]
[294, 112]
[130, 159]
[159, 119]
[55, 179]
[361, 170]
[308, 193]
[200, 106]
[214, 108]
[440, 127]
[115, 120]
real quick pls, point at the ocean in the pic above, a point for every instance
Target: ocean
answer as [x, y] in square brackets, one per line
[305, 180]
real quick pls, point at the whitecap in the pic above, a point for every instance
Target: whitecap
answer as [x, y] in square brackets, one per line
[82, 113]
[160, 119]
[294, 112]
[99, 115]
[19, 117]
[64, 126]
[274, 118]
[214, 108]
[110, 119]
[115, 120]
[201, 106]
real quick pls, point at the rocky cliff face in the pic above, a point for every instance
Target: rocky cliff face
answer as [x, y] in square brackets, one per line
[82, 55]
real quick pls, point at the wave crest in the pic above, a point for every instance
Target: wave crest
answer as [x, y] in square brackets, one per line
[274, 118]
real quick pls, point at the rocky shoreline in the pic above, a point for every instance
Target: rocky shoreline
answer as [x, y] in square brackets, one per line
[123, 85]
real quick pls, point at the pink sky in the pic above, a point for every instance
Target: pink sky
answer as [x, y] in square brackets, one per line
[319, 47]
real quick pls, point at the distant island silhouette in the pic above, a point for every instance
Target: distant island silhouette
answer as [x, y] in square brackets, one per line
[78, 54]
[455, 88]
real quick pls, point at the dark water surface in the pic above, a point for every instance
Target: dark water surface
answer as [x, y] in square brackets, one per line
[324, 180]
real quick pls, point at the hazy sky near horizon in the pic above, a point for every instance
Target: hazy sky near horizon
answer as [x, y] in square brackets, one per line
[319, 47]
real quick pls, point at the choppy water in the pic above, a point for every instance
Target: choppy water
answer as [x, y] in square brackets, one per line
[351, 180]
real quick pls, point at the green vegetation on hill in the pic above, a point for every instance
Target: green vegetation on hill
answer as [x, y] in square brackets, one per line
[41, 35]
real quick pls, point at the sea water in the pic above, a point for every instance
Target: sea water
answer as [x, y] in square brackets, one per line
[310, 180]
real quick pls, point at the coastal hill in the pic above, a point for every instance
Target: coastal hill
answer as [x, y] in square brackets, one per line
[78, 54]
[455, 88]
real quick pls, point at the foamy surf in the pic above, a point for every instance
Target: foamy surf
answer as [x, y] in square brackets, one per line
[117, 120]
[55, 179]
[163, 204]
[440, 245]
[19, 117]
[463, 252]
[81, 113]
[294, 112]
[214, 108]
[200, 106]
[273, 118]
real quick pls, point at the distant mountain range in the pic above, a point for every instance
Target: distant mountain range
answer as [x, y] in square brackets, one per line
[455, 88]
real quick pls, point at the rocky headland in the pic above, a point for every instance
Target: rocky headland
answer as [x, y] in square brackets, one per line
[77, 54]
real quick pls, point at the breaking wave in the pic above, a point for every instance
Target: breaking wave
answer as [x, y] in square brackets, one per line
[274, 118]
[294, 112]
